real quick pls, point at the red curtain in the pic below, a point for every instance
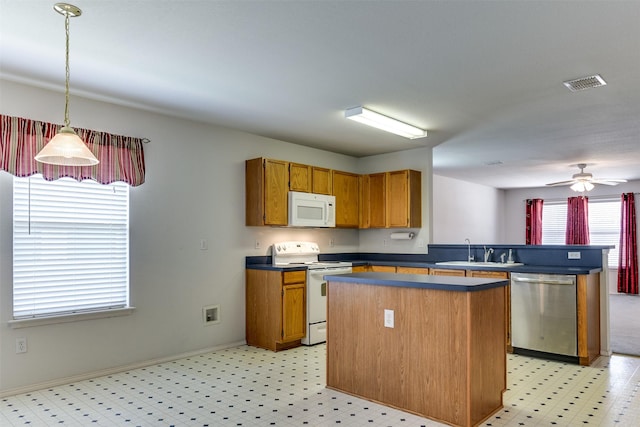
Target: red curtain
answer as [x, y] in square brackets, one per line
[628, 259]
[534, 222]
[121, 157]
[577, 221]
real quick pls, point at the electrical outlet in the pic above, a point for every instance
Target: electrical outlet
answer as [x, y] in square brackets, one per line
[204, 245]
[384, 242]
[573, 255]
[388, 318]
[21, 345]
[332, 242]
[257, 244]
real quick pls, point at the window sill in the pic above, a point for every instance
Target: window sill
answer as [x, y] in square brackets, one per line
[40, 321]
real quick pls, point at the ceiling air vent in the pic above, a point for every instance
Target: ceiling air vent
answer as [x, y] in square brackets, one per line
[585, 83]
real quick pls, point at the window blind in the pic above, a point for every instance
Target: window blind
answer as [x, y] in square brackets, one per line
[554, 223]
[604, 226]
[70, 246]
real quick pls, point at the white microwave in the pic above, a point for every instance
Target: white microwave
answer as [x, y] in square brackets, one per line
[311, 210]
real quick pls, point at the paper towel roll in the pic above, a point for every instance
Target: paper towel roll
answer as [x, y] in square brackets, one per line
[402, 236]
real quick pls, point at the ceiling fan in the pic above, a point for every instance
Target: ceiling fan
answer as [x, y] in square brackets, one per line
[585, 181]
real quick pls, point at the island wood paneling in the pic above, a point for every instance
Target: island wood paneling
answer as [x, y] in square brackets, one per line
[444, 359]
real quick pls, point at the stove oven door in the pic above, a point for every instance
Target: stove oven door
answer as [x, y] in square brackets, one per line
[317, 303]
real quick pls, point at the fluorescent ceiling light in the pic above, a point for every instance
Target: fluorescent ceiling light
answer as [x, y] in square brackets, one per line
[582, 186]
[377, 120]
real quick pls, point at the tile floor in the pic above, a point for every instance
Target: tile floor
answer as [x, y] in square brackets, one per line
[245, 386]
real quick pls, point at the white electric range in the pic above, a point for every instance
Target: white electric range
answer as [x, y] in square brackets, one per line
[292, 254]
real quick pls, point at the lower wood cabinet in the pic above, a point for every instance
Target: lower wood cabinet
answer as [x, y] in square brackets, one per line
[446, 272]
[382, 268]
[507, 298]
[397, 269]
[588, 313]
[275, 308]
[412, 270]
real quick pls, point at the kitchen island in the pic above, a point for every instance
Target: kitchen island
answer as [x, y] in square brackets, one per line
[430, 345]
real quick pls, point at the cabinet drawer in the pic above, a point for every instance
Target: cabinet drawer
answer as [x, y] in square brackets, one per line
[446, 272]
[383, 268]
[412, 270]
[294, 276]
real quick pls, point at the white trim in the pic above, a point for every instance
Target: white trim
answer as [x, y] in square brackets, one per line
[115, 370]
[76, 317]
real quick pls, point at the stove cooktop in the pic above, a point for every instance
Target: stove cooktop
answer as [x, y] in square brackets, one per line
[294, 254]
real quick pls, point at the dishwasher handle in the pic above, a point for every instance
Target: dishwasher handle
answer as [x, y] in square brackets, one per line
[544, 281]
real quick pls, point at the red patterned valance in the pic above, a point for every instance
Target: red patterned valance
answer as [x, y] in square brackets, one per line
[121, 157]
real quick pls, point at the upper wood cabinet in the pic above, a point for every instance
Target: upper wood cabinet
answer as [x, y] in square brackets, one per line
[309, 179]
[376, 195]
[404, 199]
[300, 177]
[378, 200]
[321, 180]
[392, 200]
[346, 189]
[266, 189]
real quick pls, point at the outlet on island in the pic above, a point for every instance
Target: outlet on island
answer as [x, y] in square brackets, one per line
[388, 318]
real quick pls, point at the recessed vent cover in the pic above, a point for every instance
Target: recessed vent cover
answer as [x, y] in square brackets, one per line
[585, 83]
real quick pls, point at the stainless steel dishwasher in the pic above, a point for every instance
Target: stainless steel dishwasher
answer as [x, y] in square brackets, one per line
[543, 313]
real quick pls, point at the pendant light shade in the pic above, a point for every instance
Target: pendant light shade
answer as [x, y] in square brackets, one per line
[66, 148]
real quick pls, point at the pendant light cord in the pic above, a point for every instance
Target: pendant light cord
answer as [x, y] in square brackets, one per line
[66, 88]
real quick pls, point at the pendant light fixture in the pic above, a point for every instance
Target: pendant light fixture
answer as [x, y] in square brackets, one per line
[66, 148]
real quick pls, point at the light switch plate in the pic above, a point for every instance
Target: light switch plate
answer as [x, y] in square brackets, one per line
[573, 255]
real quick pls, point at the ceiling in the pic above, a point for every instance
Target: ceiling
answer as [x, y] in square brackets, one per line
[483, 77]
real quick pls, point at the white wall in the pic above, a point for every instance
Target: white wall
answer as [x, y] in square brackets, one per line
[466, 210]
[194, 190]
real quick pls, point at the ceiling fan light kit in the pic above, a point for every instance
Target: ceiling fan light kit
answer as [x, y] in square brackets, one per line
[386, 123]
[66, 148]
[584, 181]
[582, 186]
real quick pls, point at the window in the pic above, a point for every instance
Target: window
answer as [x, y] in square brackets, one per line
[70, 247]
[604, 225]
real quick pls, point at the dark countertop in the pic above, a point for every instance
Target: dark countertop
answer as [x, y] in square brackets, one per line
[545, 269]
[422, 281]
[513, 269]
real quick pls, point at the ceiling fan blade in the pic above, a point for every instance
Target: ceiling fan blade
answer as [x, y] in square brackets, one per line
[559, 183]
[608, 181]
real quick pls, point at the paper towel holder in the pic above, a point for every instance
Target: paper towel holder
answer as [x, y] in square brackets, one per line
[402, 236]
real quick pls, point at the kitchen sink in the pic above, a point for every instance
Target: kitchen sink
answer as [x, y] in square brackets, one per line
[479, 264]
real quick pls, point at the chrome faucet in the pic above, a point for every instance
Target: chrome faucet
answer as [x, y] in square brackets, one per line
[487, 253]
[469, 257]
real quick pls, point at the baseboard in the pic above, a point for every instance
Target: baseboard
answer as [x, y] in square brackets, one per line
[110, 371]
